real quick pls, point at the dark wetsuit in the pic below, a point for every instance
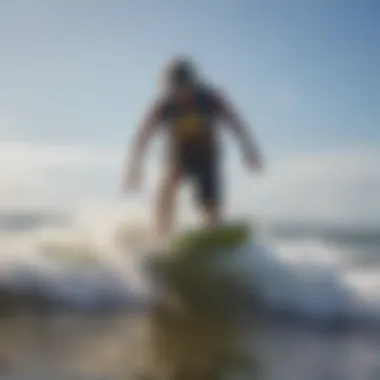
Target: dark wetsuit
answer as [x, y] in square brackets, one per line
[192, 141]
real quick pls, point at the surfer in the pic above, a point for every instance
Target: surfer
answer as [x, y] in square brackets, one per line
[189, 112]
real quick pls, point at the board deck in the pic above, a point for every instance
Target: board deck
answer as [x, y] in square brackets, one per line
[190, 269]
[191, 254]
[215, 239]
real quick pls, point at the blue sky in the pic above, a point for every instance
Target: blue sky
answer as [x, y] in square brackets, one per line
[306, 72]
[303, 73]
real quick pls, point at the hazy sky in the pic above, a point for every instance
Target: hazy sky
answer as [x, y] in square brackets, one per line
[304, 73]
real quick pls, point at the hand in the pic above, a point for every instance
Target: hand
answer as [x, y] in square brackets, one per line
[254, 161]
[132, 179]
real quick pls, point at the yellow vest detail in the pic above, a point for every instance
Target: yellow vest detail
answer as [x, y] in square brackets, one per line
[189, 125]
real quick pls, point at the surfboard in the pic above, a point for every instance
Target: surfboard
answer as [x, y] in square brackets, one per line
[211, 240]
[189, 265]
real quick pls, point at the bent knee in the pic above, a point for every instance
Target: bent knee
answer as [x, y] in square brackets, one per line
[170, 182]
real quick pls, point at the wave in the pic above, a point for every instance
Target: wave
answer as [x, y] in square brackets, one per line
[353, 235]
[303, 277]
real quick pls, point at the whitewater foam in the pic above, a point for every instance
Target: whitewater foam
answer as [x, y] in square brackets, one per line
[88, 267]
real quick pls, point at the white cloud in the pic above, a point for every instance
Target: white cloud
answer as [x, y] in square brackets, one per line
[338, 187]
[341, 187]
[31, 174]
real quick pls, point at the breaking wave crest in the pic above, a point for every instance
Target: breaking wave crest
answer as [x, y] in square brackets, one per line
[100, 265]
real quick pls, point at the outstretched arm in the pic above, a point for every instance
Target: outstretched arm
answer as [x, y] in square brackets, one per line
[141, 140]
[238, 127]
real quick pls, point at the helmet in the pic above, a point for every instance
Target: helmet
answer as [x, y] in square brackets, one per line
[181, 72]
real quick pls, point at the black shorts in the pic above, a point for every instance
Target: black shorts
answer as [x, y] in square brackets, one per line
[203, 171]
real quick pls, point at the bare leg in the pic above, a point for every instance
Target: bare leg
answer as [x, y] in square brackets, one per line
[211, 215]
[209, 195]
[165, 202]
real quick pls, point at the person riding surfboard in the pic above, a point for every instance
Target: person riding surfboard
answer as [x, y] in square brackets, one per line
[189, 113]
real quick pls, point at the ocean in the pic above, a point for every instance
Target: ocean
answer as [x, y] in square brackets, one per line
[78, 303]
